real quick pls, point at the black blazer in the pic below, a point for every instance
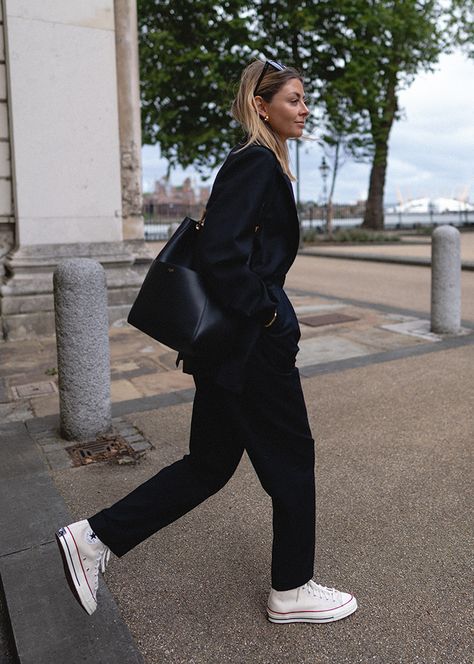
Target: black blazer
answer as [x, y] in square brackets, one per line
[249, 241]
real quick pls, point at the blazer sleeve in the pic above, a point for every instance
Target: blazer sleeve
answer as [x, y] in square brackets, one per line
[226, 243]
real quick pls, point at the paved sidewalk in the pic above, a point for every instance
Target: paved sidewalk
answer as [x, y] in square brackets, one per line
[390, 409]
[410, 251]
[142, 368]
[393, 496]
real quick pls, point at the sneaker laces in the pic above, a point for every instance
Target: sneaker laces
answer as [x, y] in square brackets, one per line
[103, 559]
[322, 592]
[103, 554]
[101, 562]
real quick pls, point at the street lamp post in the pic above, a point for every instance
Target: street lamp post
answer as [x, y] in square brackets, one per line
[324, 169]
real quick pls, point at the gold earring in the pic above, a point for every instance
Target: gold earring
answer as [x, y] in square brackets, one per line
[266, 118]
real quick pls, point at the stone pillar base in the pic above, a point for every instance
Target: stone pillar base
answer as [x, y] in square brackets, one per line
[26, 299]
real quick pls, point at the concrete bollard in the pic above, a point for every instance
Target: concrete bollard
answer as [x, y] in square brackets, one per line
[446, 281]
[82, 340]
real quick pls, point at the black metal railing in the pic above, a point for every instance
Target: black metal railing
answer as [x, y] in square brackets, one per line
[159, 219]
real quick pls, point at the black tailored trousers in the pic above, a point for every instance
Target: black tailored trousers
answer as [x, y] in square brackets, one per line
[268, 420]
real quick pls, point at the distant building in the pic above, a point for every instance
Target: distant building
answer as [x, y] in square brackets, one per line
[170, 201]
[312, 210]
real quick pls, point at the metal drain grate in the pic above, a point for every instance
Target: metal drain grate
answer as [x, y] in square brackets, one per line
[105, 448]
[326, 319]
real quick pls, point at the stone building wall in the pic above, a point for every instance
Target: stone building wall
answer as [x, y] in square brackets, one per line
[70, 73]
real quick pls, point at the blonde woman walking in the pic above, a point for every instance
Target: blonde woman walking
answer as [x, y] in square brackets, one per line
[252, 398]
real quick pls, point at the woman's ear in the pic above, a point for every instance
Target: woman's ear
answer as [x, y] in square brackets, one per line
[261, 106]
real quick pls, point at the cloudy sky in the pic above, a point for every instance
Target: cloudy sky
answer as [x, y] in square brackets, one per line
[431, 150]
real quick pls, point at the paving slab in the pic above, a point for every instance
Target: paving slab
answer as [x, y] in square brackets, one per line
[328, 348]
[378, 339]
[15, 411]
[162, 383]
[123, 390]
[383, 357]
[43, 406]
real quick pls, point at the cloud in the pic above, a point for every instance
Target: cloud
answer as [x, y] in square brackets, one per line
[432, 149]
[154, 167]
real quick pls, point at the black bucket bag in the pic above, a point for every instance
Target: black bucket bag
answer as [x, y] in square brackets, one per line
[173, 305]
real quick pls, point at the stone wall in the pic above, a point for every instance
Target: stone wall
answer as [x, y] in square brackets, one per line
[69, 136]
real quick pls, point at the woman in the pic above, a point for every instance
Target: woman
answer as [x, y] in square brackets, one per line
[251, 399]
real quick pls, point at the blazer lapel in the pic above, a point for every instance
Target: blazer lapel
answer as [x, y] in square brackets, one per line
[292, 207]
[289, 186]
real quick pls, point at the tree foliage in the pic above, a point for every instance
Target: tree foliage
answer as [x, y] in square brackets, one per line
[461, 24]
[358, 55]
[355, 56]
[191, 54]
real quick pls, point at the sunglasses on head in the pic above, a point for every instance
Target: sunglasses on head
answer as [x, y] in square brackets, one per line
[269, 63]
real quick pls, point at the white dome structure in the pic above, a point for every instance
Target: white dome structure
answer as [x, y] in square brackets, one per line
[435, 205]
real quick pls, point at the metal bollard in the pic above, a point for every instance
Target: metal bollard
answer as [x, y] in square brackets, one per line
[446, 281]
[82, 340]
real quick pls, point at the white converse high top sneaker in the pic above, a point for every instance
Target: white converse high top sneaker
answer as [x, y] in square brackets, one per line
[309, 603]
[83, 555]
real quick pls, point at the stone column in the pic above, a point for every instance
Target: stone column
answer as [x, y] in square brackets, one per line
[62, 97]
[126, 41]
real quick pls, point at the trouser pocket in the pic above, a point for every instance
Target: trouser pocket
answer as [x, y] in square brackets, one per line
[277, 345]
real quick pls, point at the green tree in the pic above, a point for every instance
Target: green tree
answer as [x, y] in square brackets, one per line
[461, 24]
[358, 55]
[191, 54]
[355, 56]
[391, 41]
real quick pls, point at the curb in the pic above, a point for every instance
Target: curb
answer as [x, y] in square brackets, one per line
[45, 622]
[379, 258]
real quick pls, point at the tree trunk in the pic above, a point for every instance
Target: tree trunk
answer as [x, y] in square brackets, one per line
[329, 219]
[329, 209]
[374, 215]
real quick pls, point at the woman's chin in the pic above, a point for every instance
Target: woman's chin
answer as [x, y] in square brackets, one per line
[297, 133]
